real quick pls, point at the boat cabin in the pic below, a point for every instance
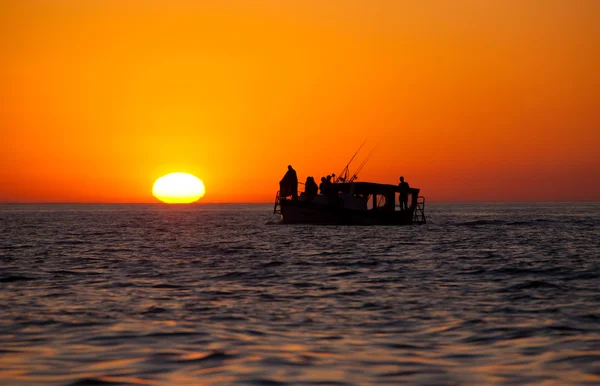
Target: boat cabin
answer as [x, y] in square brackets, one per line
[371, 195]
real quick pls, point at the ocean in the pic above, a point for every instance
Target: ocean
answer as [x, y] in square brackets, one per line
[483, 294]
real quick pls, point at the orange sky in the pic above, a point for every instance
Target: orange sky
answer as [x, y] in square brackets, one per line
[468, 99]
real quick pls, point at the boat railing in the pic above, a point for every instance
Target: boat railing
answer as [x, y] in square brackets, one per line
[278, 197]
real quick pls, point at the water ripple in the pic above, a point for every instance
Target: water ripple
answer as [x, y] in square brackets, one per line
[214, 295]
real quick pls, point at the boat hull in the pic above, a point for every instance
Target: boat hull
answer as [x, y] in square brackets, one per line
[306, 212]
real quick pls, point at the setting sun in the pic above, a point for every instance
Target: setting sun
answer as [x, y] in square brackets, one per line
[178, 188]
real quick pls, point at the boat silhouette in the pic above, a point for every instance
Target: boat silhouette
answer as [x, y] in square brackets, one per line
[347, 202]
[352, 203]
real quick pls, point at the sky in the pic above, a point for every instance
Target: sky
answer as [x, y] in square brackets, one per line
[469, 100]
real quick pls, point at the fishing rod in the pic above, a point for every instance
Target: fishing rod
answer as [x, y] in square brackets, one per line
[362, 165]
[344, 173]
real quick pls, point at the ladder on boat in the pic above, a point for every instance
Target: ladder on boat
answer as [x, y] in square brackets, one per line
[277, 208]
[419, 213]
[278, 197]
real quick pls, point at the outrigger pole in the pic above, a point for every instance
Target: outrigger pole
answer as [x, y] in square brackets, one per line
[343, 176]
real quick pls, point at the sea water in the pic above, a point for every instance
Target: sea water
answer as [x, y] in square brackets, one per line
[483, 294]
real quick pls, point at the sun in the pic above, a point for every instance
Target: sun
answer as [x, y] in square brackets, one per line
[178, 188]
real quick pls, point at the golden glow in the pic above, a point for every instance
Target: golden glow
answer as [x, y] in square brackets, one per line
[178, 188]
[469, 100]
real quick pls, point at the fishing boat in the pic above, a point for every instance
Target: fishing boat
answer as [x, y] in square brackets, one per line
[349, 202]
[355, 203]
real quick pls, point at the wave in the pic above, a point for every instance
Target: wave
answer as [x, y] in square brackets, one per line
[15, 278]
[533, 284]
[533, 222]
[97, 382]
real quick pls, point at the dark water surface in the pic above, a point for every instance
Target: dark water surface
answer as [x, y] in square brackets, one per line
[483, 294]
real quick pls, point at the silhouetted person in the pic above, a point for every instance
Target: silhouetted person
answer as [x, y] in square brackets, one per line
[330, 191]
[322, 185]
[288, 186]
[404, 190]
[310, 188]
[326, 185]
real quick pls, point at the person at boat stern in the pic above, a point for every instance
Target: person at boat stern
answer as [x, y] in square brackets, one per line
[404, 189]
[288, 186]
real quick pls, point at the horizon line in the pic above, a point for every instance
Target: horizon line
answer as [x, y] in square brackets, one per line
[264, 203]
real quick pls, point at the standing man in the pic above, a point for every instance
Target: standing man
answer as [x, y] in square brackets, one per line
[404, 188]
[289, 184]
